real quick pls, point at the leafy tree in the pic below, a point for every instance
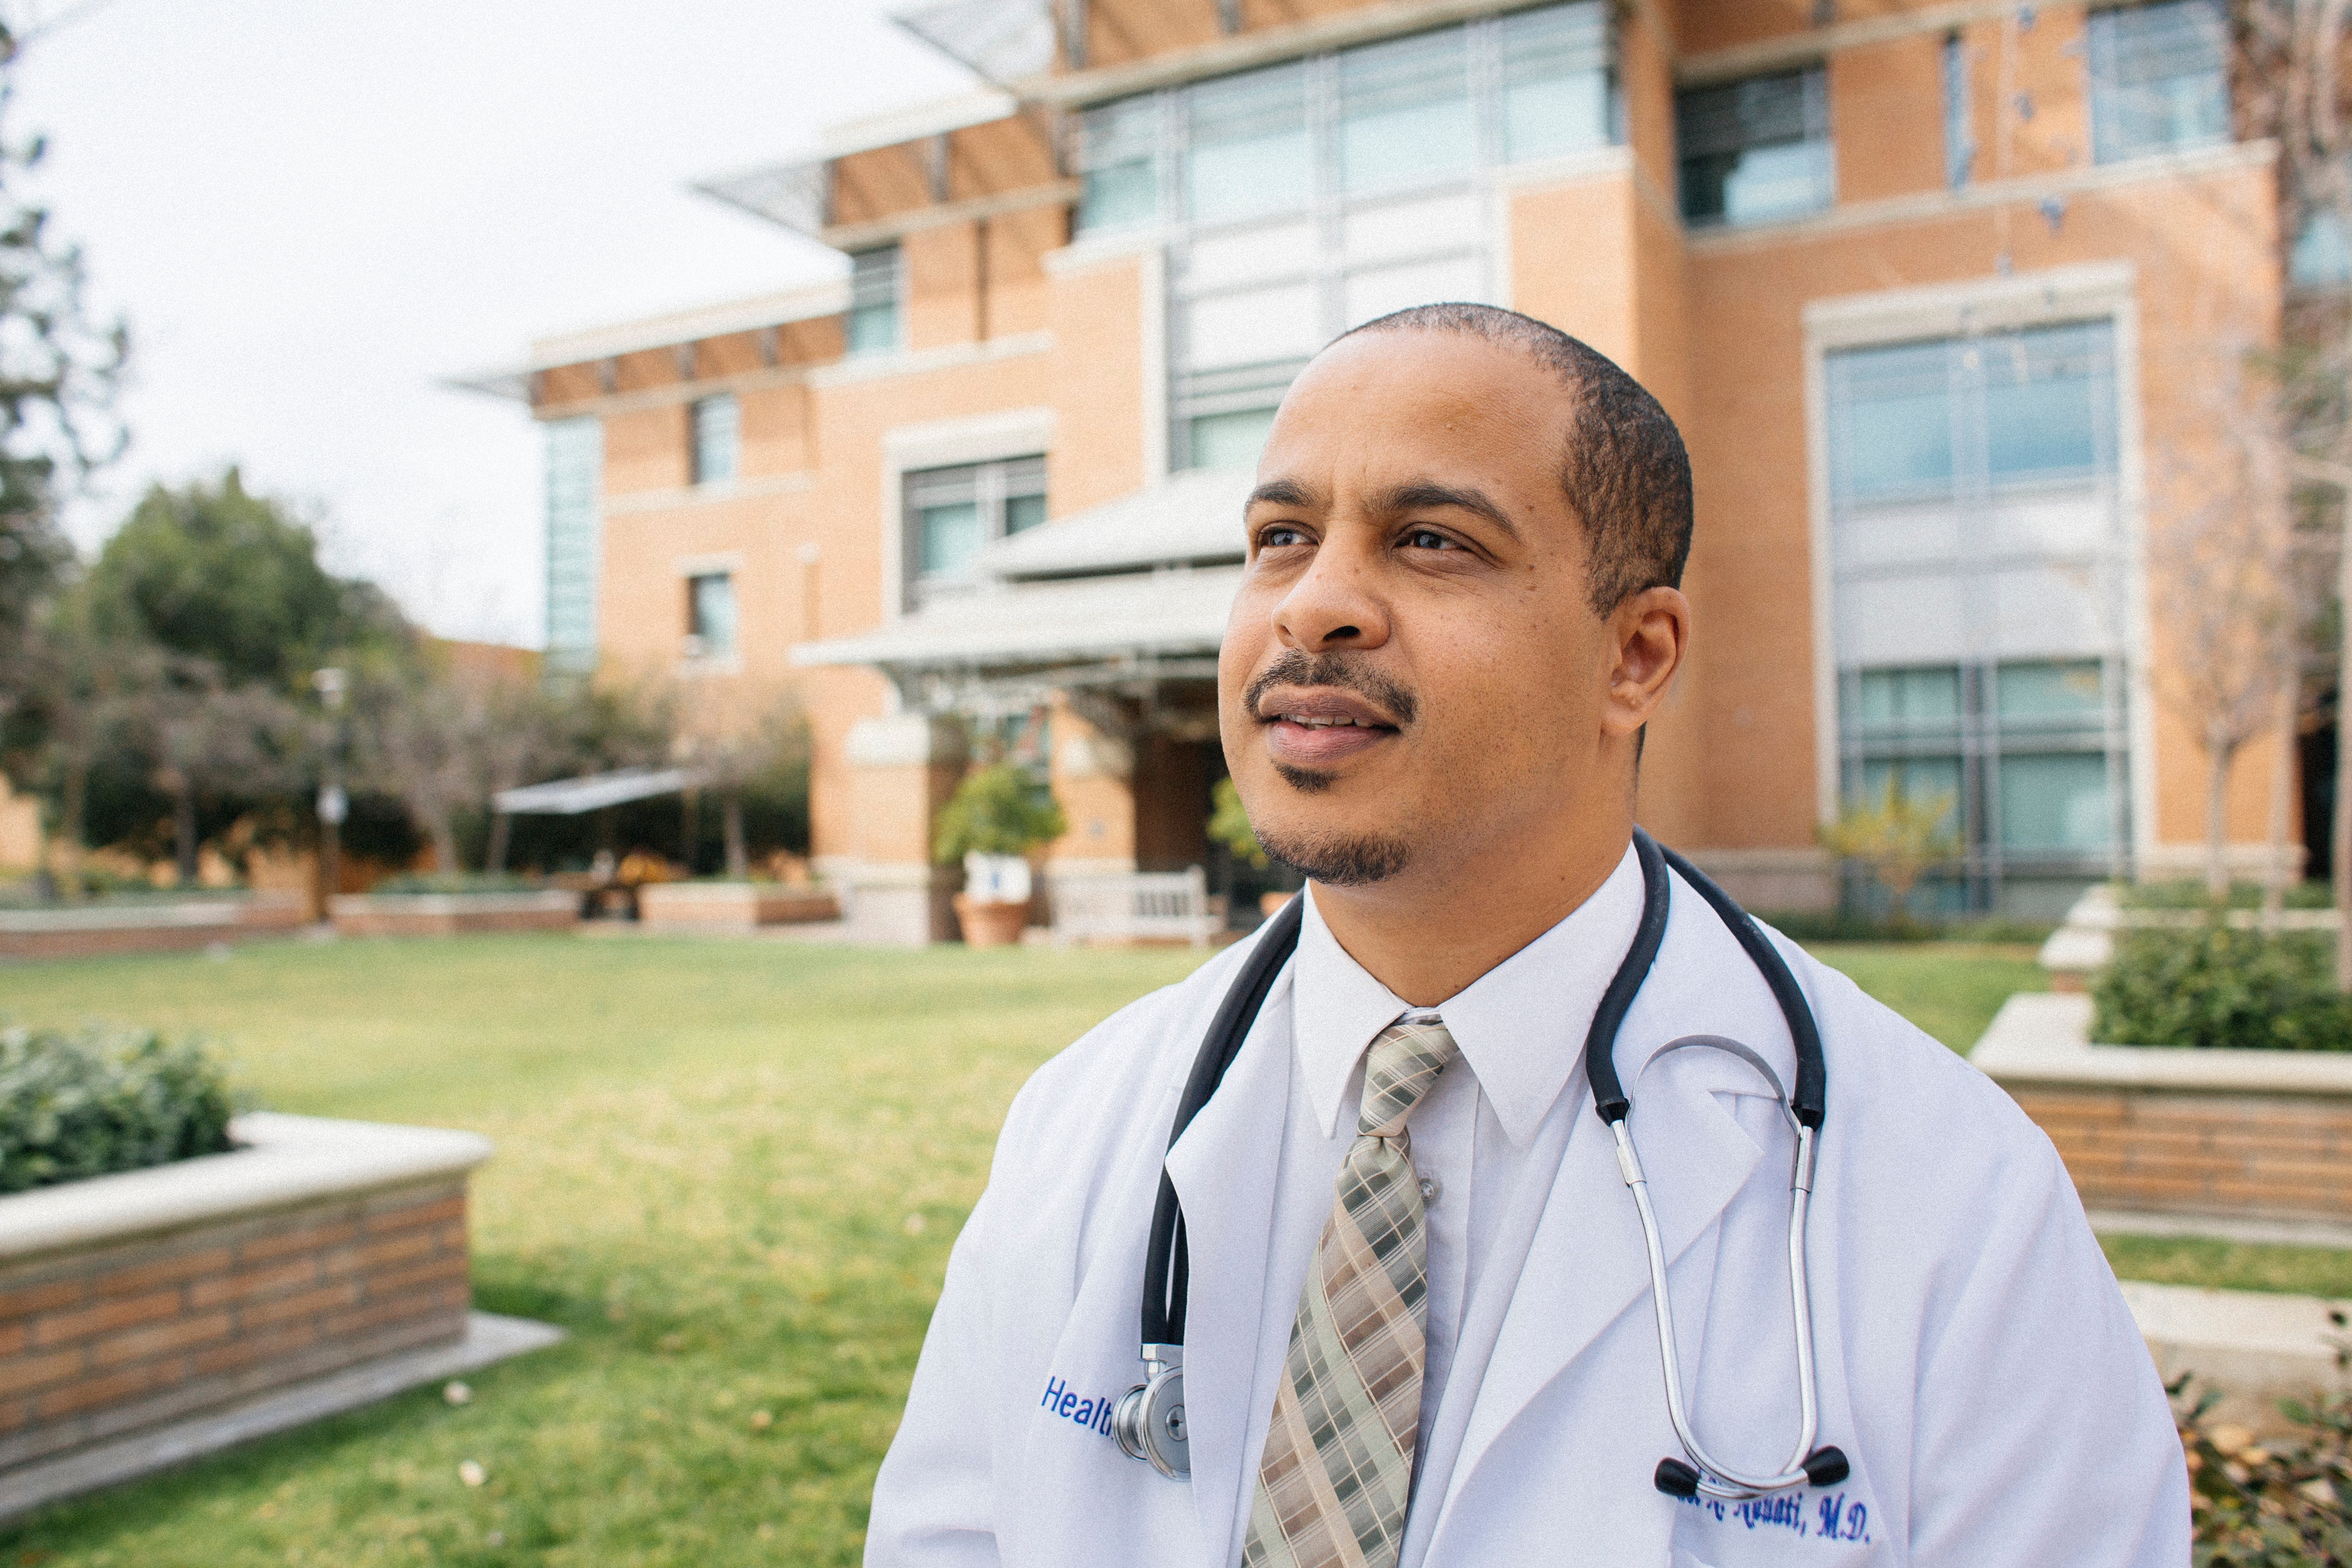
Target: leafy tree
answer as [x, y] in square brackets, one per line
[738, 736]
[204, 739]
[216, 573]
[77, 691]
[59, 368]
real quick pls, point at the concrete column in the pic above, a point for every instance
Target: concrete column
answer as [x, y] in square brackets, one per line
[902, 769]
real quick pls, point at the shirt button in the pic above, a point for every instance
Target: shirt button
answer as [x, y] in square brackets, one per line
[1432, 1189]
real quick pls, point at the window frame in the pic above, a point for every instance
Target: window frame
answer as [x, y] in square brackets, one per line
[996, 484]
[1813, 109]
[699, 414]
[851, 348]
[2099, 27]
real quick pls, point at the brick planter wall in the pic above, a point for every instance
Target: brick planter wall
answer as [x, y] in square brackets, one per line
[100, 930]
[2261, 1155]
[732, 906]
[452, 915]
[127, 1303]
[2246, 1134]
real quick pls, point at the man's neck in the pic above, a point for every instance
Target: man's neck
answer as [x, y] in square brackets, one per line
[1428, 935]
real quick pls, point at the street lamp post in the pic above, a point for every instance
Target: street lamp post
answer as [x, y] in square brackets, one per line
[334, 806]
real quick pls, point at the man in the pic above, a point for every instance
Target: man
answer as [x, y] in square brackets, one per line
[1420, 1326]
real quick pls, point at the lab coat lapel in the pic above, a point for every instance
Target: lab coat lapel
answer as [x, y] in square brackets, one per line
[1587, 1262]
[1228, 1188]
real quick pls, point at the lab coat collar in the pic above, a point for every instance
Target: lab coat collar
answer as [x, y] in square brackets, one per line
[1520, 1026]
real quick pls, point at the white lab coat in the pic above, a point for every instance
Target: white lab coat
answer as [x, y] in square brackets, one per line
[1977, 1363]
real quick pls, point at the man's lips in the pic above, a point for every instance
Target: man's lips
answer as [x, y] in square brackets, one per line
[1318, 727]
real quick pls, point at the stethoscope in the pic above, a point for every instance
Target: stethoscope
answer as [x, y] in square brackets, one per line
[1149, 1421]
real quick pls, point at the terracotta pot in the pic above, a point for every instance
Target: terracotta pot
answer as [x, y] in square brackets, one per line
[990, 924]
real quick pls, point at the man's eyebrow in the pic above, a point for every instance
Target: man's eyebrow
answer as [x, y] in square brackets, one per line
[1285, 492]
[1422, 496]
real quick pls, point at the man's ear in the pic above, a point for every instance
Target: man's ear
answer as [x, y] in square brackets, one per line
[1648, 633]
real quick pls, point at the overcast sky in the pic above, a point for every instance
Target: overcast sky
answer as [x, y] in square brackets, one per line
[309, 213]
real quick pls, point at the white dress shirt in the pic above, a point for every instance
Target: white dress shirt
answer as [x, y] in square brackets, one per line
[1471, 1134]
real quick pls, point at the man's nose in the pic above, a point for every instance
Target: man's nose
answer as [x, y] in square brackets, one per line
[1332, 606]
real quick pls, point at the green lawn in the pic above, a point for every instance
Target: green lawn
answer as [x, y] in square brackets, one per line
[732, 1170]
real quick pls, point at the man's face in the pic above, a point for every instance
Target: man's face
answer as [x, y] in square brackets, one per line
[1413, 675]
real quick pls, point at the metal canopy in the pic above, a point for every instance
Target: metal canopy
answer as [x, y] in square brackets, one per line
[594, 792]
[1000, 40]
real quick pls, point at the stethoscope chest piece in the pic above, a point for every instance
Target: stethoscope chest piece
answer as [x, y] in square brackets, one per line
[1149, 1419]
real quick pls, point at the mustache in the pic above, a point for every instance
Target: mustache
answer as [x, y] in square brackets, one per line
[1349, 671]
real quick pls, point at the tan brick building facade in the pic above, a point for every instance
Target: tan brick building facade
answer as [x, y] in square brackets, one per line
[1936, 292]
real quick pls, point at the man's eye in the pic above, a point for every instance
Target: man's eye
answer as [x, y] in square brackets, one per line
[1428, 538]
[1280, 536]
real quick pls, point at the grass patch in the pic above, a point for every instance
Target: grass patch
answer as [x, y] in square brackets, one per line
[731, 1169]
[2231, 1265]
[1949, 989]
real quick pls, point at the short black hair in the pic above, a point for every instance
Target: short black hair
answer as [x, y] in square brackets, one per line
[1625, 471]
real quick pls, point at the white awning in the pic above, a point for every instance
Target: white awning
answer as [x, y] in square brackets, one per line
[594, 792]
[1137, 620]
[1193, 519]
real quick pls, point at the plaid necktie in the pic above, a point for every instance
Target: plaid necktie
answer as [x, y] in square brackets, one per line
[1337, 1471]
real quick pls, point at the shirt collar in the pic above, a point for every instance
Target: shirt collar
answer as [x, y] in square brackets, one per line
[1520, 1026]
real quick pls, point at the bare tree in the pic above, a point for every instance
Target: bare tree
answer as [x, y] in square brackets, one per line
[2229, 597]
[202, 737]
[2290, 84]
[736, 733]
[421, 738]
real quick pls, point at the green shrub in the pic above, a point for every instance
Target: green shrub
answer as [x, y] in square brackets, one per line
[2190, 894]
[103, 1100]
[2214, 985]
[999, 810]
[2275, 1502]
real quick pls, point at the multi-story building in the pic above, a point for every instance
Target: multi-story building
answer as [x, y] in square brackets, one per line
[1938, 292]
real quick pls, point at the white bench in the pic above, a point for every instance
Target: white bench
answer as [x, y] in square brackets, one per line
[1135, 906]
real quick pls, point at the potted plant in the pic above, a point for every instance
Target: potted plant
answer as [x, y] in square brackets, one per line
[996, 817]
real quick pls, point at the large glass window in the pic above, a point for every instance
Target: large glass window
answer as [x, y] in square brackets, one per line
[952, 513]
[1757, 149]
[717, 425]
[575, 477]
[710, 615]
[1977, 552]
[1379, 117]
[2159, 79]
[873, 324]
[1309, 197]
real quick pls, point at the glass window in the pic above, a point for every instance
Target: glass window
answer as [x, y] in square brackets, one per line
[1920, 780]
[2043, 412]
[954, 514]
[1960, 116]
[873, 324]
[2055, 804]
[1250, 153]
[1231, 440]
[1757, 149]
[2159, 79]
[1022, 514]
[1980, 564]
[2320, 256]
[2064, 693]
[1308, 197]
[1118, 162]
[576, 474]
[1893, 422]
[1556, 84]
[710, 615]
[718, 429]
[1405, 113]
[1911, 698]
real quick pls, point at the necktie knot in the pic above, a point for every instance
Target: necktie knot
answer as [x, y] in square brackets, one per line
[1399, 1071]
